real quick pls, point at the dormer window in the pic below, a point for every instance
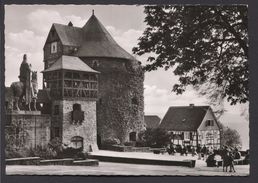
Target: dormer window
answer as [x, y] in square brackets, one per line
[209, 123]
[54, 47]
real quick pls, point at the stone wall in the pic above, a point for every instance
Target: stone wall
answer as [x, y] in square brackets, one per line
[87, 129]
[120, 106]
[27, 130]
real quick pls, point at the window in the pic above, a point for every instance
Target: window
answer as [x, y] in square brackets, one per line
[77, 114]
[77, 142]
[135, 101]
[54, 47]
[209, 123]
[187, 135]
[132, 136]
[56, 109]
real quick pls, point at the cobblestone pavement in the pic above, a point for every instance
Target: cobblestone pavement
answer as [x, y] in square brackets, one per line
[106, 168]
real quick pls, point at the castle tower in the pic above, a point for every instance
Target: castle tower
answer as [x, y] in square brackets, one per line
[73, 90]
[120, 102]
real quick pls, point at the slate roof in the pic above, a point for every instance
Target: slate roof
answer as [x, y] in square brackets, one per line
[69, 35]
[151, 121]
[92, 40]
[183, 118]
[68, 63]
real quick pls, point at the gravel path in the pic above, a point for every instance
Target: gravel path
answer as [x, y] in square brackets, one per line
[106, 168]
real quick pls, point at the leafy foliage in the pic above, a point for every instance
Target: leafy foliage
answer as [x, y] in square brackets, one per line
[42, 151]
[154, 138]
[204, 44]
[230, 137]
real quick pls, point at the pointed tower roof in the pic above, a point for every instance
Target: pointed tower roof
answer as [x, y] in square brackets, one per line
[97, 42]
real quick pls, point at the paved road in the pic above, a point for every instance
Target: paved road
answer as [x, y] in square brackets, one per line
[106, 168]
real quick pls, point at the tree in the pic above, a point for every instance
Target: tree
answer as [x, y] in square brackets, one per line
[231, 137]
[155, 137]
[206, 46]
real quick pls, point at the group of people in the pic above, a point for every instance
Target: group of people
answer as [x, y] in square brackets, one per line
[227, 155]
[224, 156]
[202, 152]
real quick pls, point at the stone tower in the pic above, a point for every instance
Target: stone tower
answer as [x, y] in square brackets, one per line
[73, 91]
[120, 105]
[120, 102]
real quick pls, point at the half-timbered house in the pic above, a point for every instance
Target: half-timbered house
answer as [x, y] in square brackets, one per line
[192, 125]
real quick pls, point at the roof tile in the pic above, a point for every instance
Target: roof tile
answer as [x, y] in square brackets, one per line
[183, 118]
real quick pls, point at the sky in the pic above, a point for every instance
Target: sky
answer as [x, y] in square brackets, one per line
[27, 26]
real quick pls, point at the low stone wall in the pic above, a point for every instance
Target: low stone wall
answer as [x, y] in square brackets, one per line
[67, 161]
[63, 162]
[186, 163]
[122, 148]
[23, 161]
[87, 162]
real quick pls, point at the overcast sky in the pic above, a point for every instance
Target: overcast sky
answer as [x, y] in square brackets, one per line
[27, 26]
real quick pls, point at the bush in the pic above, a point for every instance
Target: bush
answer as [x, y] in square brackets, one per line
[56, 145]
[70, 152]
[154, 138]
[111, 141]
[130, 143]
[140, 143]
[44, 152]
[12, 153]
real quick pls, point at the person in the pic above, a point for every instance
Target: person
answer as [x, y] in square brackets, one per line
[211, 162]
[237, 154]
[179, 149]
[193, 151]
[168, 149]
[184, 150]
[247, 158]
[204, 152]
[198, 150]
[231, 162]
[172, 149]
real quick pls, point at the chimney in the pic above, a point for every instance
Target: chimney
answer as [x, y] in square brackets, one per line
[191, 105]
[70, 24]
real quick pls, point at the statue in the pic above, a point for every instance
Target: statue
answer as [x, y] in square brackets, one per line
[25, 90]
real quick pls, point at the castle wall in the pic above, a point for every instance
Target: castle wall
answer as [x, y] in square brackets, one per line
[27, 130]
[120, 104]
[86, 129]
